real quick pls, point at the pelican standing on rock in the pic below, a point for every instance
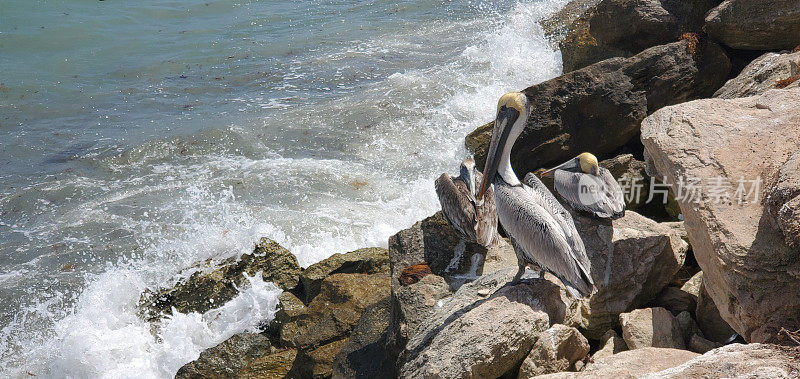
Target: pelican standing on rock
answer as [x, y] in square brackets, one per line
[475, 221]
[540, 229]
[588, 187]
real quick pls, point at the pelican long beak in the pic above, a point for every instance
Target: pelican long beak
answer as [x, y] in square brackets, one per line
[506, 117]
[570, 165]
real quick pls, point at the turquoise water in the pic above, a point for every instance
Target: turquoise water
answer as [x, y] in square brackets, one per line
[140, 137]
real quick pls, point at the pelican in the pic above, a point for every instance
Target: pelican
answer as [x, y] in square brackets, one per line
[475, 221]
[540, 229]
[588, 187]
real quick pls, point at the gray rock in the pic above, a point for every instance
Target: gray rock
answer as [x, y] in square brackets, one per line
[599, 108]
[365, 355]
[228, 358]
[762, 75]
[709, 320]
[692, 286]
[651, 327]
[411, 305]
[613, 344]
[738, 361]
[701, 345]
[633, 258]
[750, 25]
[630, 364]
[747, 266]
[371, 260]
[454, 342]
[675, 300]
[557, 349]
[688, 327]
[783, 201]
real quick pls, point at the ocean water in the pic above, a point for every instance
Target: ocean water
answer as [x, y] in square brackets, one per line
[137, 138]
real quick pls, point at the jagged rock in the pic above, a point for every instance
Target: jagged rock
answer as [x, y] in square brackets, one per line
[753, 25]
[365, 355]
[709, 320]
[675, 300]
[453, 341]
[739, 361]
[411, 305]
[633, 258]
[651, 327]
[762, 75]
[621, 28]
[228, 358]
[747, 267]
[630, 364]
[692, 286]
[688, 327]
[364, 261]
[698, 344]
[599, 108]
[612, 344]
[557, 349]
[783, 200]
[207, 289]
[271, 366]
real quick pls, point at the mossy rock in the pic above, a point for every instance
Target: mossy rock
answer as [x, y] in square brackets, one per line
[276, 365]
[364, 261]
[206, 290]
[228, 358]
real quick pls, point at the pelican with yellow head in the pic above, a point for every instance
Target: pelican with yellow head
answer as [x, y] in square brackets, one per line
[541, 230]
[587, 187]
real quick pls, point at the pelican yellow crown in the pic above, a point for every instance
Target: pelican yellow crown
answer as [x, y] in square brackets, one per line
[514, 100]
[588, 163]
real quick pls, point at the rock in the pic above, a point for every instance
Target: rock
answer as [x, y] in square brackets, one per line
[228, 358]
[747, 267]
[452, 341]
[739, 361]
[411, 305]
[651, 327]
[364, 261]
[633, 258]
[701, 345]
[630, 364]
[414, 273]
[599, 108]
[557, 349]
[365, 355]
[675, 300]
[205, 290]
[318, 362]
[613, 344]
[499, 257]
[335, 311]
[560, 24]
[783, 201]
[692, 286]
[276, 365]
[631, 174]
[621, 28]
[688, 327]
[762, 75]
[289, 307]
[749, 25]
[709, 320]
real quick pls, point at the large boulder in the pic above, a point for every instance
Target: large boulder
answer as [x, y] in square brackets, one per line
[365, 261]
[651, 327]
[210, 287]
[228, 358]
[612, 344]
[365, 355]
[633, 258]
[411, 305]
[709, 319]
[613, 28]
[739, 361]
[630, 364]
[783, 200]
[736, 147]
[754, 25]
[453, 343]
[556, 350]
[763, 74]
[599, 108]
[559, 24]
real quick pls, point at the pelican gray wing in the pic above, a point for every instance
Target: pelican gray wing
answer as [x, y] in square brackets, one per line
[457, 207]
[560, 214]
[540, 238]
[599, 195]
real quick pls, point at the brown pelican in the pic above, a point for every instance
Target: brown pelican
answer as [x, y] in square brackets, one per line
[588, 187]
[475, 221]
[541, 230]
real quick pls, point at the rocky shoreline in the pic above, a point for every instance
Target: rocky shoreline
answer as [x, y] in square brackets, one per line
[703, 284]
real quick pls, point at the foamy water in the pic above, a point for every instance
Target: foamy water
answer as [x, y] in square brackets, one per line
[324, 133]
